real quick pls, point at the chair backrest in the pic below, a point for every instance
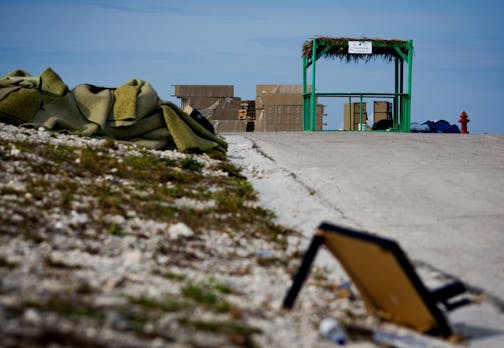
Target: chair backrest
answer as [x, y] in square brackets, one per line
[385, 278]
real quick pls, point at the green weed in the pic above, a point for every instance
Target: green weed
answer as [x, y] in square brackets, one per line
[205, 295]
[166, 304]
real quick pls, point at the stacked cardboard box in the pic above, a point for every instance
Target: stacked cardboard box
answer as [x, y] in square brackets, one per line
[229, 125]
[247, 110]
[382, 111]
[215, 102]
[223, 109]
[248, 114]
[280, 108]
[204, 91]
[352, 116]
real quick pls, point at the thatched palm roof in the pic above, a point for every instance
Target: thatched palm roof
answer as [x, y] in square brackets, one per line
[338, 48]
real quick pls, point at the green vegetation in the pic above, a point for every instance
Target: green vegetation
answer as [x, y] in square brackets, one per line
[170, 275]
[223, 288]
[167, 304]
[146, 184]
[64, 305]
[4, 263]
[82, 198]
[190, 163]
[206, 295]
[116, 230]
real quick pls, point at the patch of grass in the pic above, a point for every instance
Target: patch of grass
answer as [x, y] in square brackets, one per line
[136, 321]
[166, 304]
[65, 306]
[231, 169]
[278, 233]
[205, 294]
[108, 200]
[34, 236]
[3, 155]
[58, 154]
[235, 193]
[116, 230]
[246, 190]
[228, 202]
[85, 288]
[44, 168]
[111, 144]
[4, 263]
[149, 168]
[170, 275]
[190, 163]
[8, 191]
[223, 288]
[150, 187]
[142, 162]
[68, 188]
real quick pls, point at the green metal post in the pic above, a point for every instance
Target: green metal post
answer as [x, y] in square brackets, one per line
[410, 70]
[313, 103]
[403, 100]
[403, 112]
[305, 99]
[396, 90]
[401, 90]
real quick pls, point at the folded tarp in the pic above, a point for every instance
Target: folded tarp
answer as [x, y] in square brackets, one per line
[131, 113]
[440, 126]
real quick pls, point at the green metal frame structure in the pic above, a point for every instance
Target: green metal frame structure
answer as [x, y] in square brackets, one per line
[397, 51]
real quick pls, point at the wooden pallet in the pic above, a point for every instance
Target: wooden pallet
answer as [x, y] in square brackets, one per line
[247, 110]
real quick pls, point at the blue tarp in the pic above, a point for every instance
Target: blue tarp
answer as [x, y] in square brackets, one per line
[440, 126]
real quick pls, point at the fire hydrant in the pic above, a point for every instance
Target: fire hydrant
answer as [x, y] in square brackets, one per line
[464, 120]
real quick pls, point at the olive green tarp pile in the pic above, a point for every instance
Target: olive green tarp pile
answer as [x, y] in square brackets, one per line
[132, 113]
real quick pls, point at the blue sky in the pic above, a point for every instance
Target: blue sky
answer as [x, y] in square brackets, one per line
[458, 63]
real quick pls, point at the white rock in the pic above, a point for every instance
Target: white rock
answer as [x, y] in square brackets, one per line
[16, 185]
[17, 218]
[14, 152]
[132, 257]
[109, 301]
[188, 203]
[179, 230]
[31, 316]
[116, 219]
[78, 218]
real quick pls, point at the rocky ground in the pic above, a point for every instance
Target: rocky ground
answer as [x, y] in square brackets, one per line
[108, 245]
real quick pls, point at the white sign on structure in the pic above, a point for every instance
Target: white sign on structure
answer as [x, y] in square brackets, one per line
[360, 47]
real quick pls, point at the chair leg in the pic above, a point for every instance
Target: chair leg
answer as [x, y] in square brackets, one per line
[444, 293]
[304, 270]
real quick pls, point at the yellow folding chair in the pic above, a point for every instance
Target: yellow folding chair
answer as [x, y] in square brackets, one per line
[384, 277]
